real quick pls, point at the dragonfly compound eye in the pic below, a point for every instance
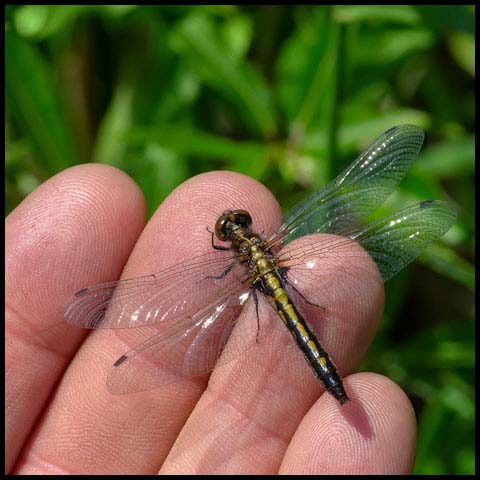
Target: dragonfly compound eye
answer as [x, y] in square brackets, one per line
[230, 220]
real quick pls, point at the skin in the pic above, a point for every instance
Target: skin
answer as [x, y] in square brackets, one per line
[260, 413]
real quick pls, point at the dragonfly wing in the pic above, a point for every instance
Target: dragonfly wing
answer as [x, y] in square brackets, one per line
[395, 241]
[324, 270]
[179, 291]
[330, 278]
[346, 201]
[191, 347]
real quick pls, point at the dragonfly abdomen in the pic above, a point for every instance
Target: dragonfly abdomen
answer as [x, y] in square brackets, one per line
[314, 353]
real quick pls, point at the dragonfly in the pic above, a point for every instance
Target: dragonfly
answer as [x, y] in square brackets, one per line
[188, 313]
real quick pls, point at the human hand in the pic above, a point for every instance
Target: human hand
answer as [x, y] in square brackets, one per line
[78, 229]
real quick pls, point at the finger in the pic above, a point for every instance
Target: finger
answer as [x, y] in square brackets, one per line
[88, 430]
[253, 406]
[375, 434]
[77, 227]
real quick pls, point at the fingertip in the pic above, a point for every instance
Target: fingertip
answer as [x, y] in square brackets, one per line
[75, 229]
[374, 396]
[178, 229]
[374, 433]
[210, 194]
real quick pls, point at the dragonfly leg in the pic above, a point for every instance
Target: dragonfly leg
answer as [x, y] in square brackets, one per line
[255, 299]
[216, 247]
[283, 271]
[223, 274]
[248, 277]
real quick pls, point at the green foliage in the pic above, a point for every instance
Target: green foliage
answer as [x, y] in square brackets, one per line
[289, 96]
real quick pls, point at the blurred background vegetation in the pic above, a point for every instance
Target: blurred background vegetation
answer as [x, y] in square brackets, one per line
[288, 95]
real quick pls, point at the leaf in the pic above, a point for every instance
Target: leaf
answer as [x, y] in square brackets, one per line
[157, 174]
[402, 14]
[43, 21]
[200, 44]
[445, 261]
[378, 50]
[238, 32]
[359, 135]
[442, 18]
[305, 69]
[188, 141]
[31, 94]
[448, 159]
[462, 48]
[109, 146]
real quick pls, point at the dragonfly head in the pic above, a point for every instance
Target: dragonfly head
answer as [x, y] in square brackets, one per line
[230, 221]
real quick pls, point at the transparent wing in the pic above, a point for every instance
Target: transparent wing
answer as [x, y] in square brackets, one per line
[179, 291]
[393, 242]
[191, 347]
[330, 278]
[346, 201]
